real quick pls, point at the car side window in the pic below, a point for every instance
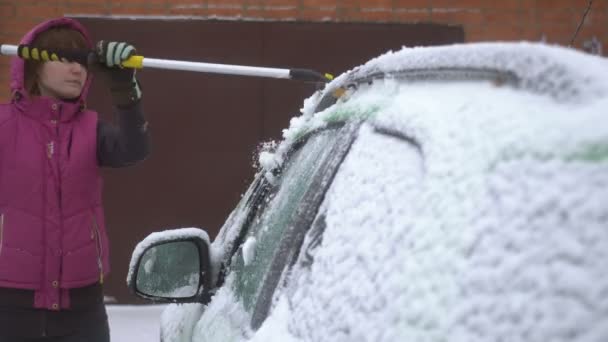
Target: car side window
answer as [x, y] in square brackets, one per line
[252, 264]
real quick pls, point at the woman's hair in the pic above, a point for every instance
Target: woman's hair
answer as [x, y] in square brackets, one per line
[58, 38]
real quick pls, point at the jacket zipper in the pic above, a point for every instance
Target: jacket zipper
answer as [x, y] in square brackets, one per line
[99, 249]
[1, 231]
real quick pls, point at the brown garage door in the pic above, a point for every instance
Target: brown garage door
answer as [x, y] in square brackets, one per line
[205, 127]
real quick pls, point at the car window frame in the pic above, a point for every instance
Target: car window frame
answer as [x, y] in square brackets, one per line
[291, 241]
[256, 201]
[260, 191]
[256, 205]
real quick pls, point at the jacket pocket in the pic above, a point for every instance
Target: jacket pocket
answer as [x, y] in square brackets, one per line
[98, 246]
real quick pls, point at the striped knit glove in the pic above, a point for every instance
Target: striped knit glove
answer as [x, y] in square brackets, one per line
[124, 87]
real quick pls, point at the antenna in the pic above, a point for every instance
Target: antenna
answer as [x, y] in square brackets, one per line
[581, 23]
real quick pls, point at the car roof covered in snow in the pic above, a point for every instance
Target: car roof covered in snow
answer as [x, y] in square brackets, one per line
[565, 74]
[562, 74]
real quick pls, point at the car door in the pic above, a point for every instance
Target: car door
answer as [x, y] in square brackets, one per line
[272, 238]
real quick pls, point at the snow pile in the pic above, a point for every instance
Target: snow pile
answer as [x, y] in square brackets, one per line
[225, 319]
[275, 328]
[249, 250]
[503, 237]
[177, 321]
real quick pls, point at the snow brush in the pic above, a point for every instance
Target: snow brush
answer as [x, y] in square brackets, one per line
[140, 62]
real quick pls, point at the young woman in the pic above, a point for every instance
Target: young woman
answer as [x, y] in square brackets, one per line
[53, 244]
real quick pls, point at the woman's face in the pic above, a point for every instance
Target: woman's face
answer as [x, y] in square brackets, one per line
[61, 80]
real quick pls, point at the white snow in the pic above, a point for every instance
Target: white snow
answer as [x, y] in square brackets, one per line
[130, 323]
[561, 73]
[504, 236]
[178, 321]
[268, 160]
[276, 328]
[225, 320]
[249, 250]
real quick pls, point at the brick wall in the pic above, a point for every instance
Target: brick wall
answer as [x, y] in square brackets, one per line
[552, 20]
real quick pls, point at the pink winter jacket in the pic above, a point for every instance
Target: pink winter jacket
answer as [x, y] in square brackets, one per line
[52, 231]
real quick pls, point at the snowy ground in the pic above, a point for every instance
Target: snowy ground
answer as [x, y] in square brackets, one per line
[130, 323]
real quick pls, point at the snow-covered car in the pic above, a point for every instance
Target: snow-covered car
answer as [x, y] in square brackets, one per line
[454, 193]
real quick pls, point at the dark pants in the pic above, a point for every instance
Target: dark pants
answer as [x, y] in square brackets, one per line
[100, 335]
[85, 321]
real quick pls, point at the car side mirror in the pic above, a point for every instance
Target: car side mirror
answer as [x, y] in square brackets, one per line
[172, 266]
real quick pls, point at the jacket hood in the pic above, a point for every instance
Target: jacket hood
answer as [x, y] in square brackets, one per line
[18, 64]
